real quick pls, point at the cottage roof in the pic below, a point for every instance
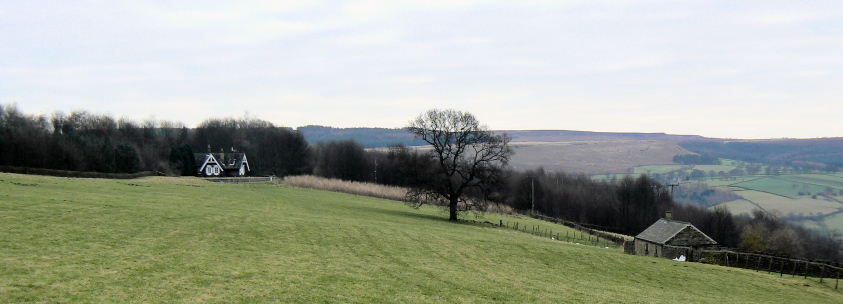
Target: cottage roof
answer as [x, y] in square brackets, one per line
[228, 161]
[663, 230]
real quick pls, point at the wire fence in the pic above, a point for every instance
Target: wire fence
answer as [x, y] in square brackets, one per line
[759, 262]
[547, 232]
[236, 180]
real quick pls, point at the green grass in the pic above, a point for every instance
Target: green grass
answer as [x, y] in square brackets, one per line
[780, 186]
[653, 169]
[821, 180]
[715, 168]
[834, 222]
[183, 240]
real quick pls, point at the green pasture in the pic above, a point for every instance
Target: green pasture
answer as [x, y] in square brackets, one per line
[185, 240]
[834, 222]
[780, 186]
[738, 206]
[656, 169]
[822, 180]
[717, 182]
[715, 168]
[784, 205]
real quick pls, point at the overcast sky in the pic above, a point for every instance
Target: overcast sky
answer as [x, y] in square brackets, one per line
[732, 69]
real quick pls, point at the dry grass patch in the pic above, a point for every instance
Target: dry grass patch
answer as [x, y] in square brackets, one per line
[787, 205]
[356, 188]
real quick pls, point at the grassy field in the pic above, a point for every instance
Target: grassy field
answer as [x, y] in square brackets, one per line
[593, 157]
[783, 204]
[781, 186]
[185, 240]
[656, 169]
[834, 222]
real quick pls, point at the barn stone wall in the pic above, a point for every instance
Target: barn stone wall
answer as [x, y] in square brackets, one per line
[646, 248]
[689, 237]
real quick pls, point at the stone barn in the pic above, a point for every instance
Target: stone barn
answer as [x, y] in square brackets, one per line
[662, 238]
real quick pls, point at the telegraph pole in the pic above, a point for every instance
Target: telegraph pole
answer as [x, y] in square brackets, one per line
[533, 195]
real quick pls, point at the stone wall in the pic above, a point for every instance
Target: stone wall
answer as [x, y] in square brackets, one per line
[689, 237]
[646, 248]
[674, 252]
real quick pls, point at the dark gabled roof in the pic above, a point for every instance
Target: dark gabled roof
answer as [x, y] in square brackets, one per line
[231, 161]
[228, 161]
[663, 230]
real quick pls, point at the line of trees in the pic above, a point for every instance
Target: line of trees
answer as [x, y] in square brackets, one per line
[83, 141]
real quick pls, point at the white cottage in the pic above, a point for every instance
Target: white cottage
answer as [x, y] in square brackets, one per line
[221, 164]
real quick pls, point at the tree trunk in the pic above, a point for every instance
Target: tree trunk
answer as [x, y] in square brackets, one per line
[453, 207]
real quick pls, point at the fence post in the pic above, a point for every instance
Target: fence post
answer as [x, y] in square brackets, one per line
[838, 279]
[770, 266]
[822, 272]
[727, 259]
[806, 269]
[501, 223]
[758, 266]
[781, 269]
[793, 274]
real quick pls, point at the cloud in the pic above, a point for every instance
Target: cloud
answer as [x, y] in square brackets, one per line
[655, 66]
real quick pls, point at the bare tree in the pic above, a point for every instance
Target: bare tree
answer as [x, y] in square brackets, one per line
[468, 158]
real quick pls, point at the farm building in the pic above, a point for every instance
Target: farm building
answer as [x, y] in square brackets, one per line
[662, 238]
[221, 164]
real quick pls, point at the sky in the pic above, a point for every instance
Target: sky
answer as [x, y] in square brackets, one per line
[727, 69]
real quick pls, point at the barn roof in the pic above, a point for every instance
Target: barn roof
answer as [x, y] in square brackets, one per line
[663, 230]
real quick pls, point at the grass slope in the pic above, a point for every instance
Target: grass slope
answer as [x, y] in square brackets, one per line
[186, 240]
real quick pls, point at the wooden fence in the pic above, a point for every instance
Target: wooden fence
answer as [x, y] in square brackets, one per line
[538, 230]
[761, 262]
[613, 237]
[242, 179]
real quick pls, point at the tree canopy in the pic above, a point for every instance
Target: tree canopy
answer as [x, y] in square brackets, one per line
[468, 159]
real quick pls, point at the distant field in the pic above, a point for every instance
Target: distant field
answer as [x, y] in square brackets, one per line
[715, 168]
[822, 180]
[739, 206]
[593, 157]
[834, 222]
[657, 169]
[770, 202]
[185, 240]
[780, 186]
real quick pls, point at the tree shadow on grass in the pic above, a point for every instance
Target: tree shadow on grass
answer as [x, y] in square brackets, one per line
[404, 213]
[438, 218]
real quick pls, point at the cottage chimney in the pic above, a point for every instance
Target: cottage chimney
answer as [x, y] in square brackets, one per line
[668, 214]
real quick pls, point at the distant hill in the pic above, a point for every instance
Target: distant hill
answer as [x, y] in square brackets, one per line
[368, 137]
[593, 157]
[383, 137]
[825, 151]
[566, 136]
[819, 151]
